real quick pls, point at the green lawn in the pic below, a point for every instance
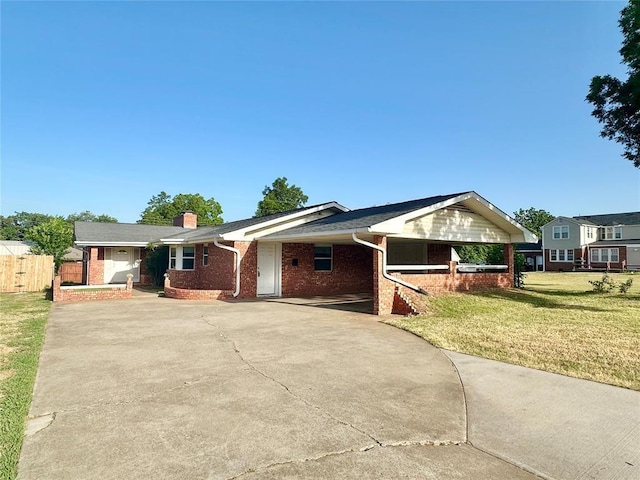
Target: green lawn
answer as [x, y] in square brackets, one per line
[555, 324]
[23, 317]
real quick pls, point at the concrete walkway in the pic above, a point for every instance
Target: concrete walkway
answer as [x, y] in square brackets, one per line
[166, 389]
[556, 426]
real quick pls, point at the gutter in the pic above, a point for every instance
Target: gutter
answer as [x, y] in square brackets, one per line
[236, 252]
[385, 274]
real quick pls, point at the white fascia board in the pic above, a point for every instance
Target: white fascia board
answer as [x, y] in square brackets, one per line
[520, 235]
[241, 232]
[86, 243]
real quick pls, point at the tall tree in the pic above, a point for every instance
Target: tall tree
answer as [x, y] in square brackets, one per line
[280, 197]
[53, 237]
[15, 227]
[616, 102]
[88, 216]
[162, 209]
[533, 219]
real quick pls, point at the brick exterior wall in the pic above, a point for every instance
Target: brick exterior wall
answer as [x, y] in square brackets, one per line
[96, 265]
[383, 289]
[562, 266]
[87, 293]
[351, 271]
[218, 274]
[248, 268]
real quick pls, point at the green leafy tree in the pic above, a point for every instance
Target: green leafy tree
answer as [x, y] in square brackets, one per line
[15, 227]
[280, 197]
[533, 219]
[616, 102]
[156, 262]
[162, 209]
[87, 216]
[53, 237]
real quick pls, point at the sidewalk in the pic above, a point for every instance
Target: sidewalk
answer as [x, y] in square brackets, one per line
[558, 427]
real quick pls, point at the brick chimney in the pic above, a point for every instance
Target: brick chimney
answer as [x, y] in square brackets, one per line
[186, 220]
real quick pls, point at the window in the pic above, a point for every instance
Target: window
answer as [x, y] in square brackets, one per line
[182, 258]
[322, 258]
[611, 233]
[205, 255]
[603, 255]
[561, 231]
[561, 255]
[589, 232]
[172, 257]
[188, 258]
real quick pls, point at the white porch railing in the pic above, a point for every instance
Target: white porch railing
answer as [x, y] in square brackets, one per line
[403, 268]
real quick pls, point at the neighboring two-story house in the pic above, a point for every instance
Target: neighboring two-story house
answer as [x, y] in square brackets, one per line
[610, 241]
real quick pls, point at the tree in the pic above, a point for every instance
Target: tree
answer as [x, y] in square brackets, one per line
[616, 102]
[162, 209]
[87, 216]
[280, 197]
[15, 227]
[53, 237]
[533, 219]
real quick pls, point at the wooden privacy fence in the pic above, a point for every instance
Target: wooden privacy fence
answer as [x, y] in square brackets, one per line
[70, 272]
[25, 273]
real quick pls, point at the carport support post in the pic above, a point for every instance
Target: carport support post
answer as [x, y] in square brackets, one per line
[508, 260]
[383, 289]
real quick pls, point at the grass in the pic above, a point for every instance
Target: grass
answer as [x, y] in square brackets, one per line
[22, 323]
[555, 324]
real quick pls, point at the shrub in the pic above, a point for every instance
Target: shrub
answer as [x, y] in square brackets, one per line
[605, 285]
[625, 286]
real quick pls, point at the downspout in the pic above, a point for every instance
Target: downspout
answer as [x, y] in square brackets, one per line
[385, 274]
[236, 292]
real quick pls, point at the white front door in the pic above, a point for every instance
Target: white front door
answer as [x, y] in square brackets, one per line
[120, 261]
[267, 269]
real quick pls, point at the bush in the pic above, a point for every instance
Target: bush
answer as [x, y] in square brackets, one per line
[606, 285]
[625, 286]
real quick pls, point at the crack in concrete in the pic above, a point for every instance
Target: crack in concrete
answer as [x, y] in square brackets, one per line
[286, 388]
[425, 443]
[38, 423]
[144, 398]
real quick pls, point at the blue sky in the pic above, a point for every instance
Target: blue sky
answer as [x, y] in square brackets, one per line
[105, 104]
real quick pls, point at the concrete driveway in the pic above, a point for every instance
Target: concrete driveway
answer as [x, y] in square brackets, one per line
[165, 389]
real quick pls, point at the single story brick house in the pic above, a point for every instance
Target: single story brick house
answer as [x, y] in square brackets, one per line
[389, 251]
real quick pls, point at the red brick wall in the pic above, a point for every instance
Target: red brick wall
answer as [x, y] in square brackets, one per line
[351, 271]
[383, 289]
[437, 284]
[217, 275]
[248, 268]
[622, 257]
[96, 265]
[560, 266]
[75, 294]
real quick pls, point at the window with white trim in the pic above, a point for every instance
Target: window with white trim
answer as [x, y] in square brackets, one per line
[589, 232]
[205, 255]
[611, 233]
[173, 257]
[322, 258]
[561, 255]
[561, 232]
[603, 255]
[182, 258]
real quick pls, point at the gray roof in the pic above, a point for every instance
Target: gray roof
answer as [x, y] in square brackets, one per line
[88, 232]
[610, 219]
[604, 243]
[215, 230]
[364, 217]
